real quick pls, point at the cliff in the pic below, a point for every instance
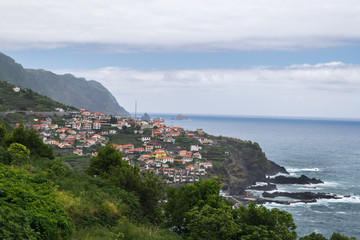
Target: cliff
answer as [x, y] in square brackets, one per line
[241, 163]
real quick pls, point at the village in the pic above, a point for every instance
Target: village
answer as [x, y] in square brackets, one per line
[170, 152]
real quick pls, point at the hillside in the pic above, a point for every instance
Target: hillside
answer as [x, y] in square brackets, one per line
[66, 89]
[242, 163]
[26, 100]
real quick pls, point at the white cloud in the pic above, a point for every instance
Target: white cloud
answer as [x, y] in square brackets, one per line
[155, 25]
[325, 89]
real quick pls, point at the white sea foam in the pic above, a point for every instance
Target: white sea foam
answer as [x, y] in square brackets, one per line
[276, 175]
[259, 184]
[293, 170]
[308, 188]
[351, 199]
[329, 184]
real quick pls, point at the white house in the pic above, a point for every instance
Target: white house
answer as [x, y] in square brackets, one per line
[97, 125]
[195, 148]
[197, 155]
[145, 138]
[16, 89]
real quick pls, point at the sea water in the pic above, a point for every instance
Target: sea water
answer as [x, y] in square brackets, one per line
[321, 148]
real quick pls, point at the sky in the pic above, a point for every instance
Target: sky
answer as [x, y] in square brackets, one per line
[251, 57]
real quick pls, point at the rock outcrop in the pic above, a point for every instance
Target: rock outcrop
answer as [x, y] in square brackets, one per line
[294, 180]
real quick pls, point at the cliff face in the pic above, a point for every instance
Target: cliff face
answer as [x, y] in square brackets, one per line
[66, 89]
[242, 163]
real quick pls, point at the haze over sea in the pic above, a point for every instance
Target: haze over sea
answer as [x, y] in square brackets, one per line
[325, 149]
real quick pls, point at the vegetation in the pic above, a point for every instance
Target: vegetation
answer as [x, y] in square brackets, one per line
[43, 198]
[198, 212]
[318, 236]
[29, 209]
[150, 190]
[26, 100]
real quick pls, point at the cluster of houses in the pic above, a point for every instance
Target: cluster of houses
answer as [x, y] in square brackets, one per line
[155, 151]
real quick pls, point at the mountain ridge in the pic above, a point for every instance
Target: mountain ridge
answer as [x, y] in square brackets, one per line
[66, 88]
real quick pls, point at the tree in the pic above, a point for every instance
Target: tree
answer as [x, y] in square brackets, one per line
[338, 236]
[108, 157]
[258, 222]
[19, 153]
[183, 199]
[313, 236]
[5, 156]
[318, 236]
[109, 165]
[151, 192]
[31, 140]
[212, 223]
[2, 132]
[148, 187]
[196, 211]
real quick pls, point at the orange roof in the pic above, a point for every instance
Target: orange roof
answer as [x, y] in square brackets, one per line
[179, 160]
[189, 166]
[127, 145]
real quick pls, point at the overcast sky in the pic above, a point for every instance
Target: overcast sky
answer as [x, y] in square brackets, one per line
[249, 57]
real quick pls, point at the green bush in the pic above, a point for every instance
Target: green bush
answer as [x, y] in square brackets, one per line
[29, 209]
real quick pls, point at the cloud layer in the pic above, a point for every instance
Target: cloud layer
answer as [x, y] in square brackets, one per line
[327, 89]
[179, 25]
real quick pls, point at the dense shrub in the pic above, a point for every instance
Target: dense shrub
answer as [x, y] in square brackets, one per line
[29, 209]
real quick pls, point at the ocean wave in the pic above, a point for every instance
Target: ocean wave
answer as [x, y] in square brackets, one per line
[351, 199]
[293, 170]
[259, 184]
[329, 184]
[309, 188]
[276, 175]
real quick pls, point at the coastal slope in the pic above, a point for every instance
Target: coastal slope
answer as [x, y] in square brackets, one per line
[241, 163]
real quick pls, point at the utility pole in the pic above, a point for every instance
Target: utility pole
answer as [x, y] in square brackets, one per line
[135, 109]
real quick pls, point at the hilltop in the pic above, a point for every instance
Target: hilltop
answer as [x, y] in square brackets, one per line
[66, 88]
[15, 98]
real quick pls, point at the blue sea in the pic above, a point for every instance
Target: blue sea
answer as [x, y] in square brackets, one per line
[321, 148]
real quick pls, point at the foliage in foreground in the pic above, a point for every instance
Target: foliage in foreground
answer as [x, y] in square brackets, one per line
[109, 165]
[318, 236]
[198, 212]
[48, 200]
[29, 209]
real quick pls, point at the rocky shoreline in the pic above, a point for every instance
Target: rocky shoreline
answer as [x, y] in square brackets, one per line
[294, 197]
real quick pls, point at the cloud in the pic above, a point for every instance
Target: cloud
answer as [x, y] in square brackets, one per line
[179, 25]
[324, 89]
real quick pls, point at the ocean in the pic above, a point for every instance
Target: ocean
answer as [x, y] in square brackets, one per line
[320, 148]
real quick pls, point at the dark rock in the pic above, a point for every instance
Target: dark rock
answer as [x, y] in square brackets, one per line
[145, 117]
[294, 180]
[181, 117]
[275, 169]
[300, 195]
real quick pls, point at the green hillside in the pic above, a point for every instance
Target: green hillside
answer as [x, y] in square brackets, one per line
[66, 89]
[26, 100]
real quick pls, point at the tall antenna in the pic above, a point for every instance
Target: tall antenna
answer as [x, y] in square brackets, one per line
[135, 109]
